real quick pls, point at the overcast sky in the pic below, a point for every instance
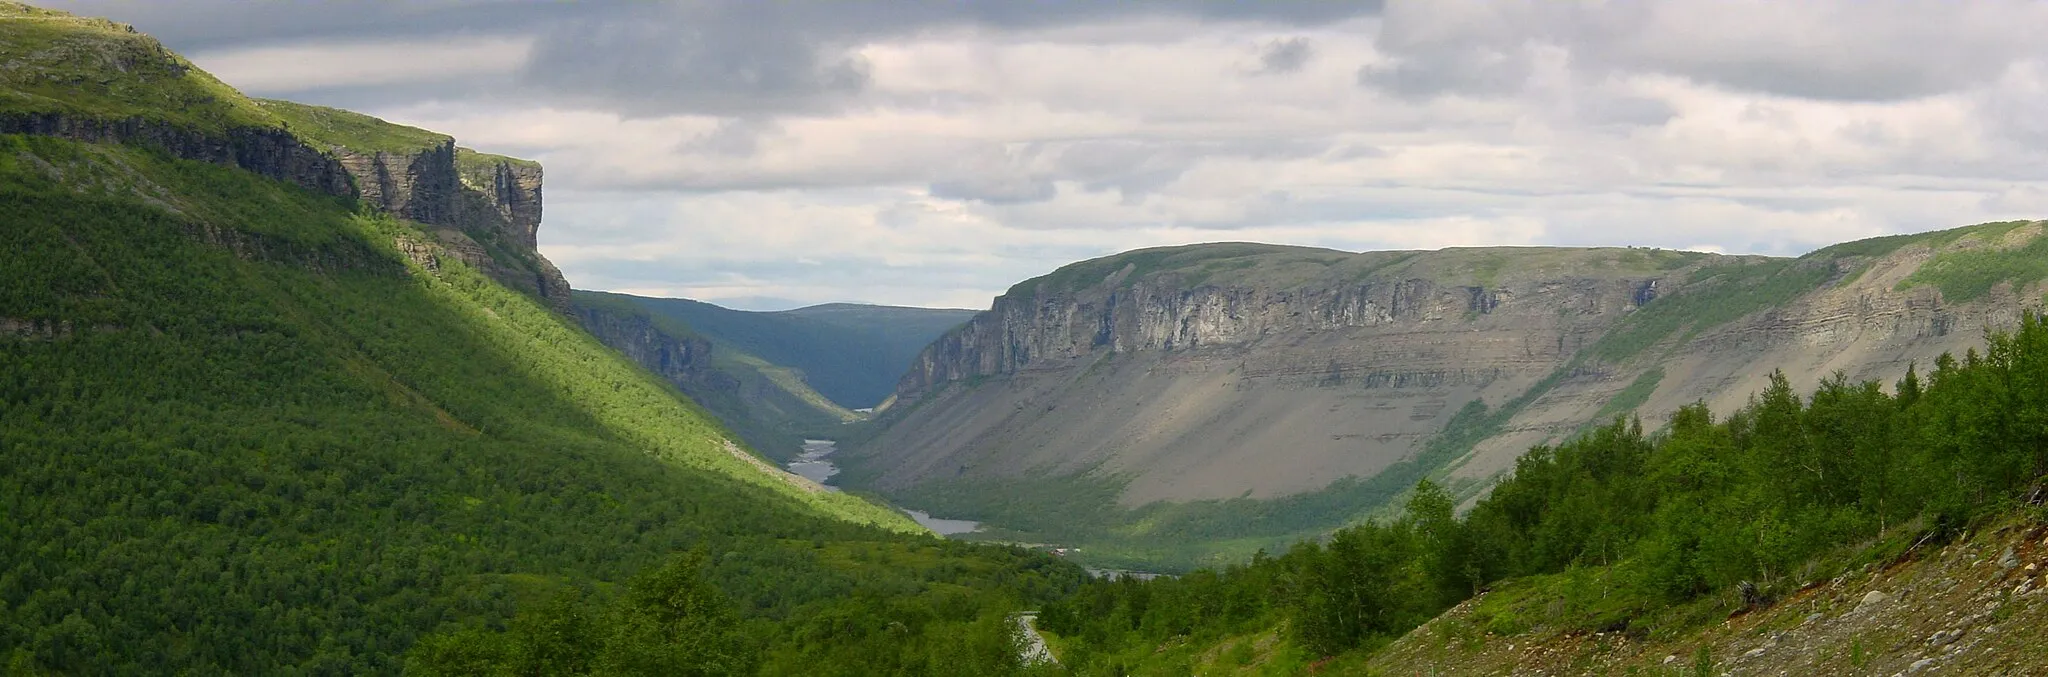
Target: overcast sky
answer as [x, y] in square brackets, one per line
[774, 154]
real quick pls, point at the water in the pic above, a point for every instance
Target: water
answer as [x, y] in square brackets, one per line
[812, 464]
[1114, 574]
[944, 527]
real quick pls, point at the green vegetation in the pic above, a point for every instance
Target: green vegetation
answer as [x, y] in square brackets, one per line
[768, 405]
[1713, 296]
[1619, 531]
[1631, 398]
[1143, 262]
[850, 354]
[1083, 510]
[480, 170]
[328, 127]
[246, 435]
[59, 63]
[1965, 275]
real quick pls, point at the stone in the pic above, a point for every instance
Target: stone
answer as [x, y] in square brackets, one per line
[1921, 664]
[1872, 599]
[2010, 559]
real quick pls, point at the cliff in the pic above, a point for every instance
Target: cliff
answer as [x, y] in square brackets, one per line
[486, 209]
[98, 81]
[1233, 370]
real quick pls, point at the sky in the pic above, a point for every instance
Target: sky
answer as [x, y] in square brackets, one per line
[768, 155]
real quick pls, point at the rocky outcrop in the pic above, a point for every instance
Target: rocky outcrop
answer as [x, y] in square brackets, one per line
[1220, 371]
[511, 189]
[274, 153]
[420, 186]
[1200, 374]
[484, 209]
[683, 361]
[1051, 330]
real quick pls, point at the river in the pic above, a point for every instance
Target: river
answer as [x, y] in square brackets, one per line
[813, 464]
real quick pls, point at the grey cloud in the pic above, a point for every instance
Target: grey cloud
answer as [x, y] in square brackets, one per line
[734, 137]
[995, 189]
[1285, 56]
[720, 57]
[1474, 73]
[744, 59]
[1848, 51]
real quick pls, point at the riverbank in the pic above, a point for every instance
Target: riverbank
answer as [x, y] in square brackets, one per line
[814, 464]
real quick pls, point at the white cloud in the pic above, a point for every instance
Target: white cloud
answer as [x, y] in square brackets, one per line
[981, 150]
[287, 68]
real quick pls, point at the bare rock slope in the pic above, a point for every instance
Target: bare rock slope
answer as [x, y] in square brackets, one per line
[1229, 370]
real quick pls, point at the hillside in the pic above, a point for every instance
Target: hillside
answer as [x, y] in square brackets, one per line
[1851, 529]
[768, 405]
[1244, 395]
[775, 377]
[285, 390]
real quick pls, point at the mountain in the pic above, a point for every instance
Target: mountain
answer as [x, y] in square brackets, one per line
[288, 390]
[1853, 529]
[774, 377]
[1255, 393]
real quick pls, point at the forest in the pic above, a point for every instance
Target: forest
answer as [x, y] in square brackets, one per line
[1644, 533]
[241, 432]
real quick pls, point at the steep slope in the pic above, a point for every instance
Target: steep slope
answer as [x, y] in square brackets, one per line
[1972, 607]
[1328, 381]
[768, 405]
[250, 424]
[852, 354]
[95, 80]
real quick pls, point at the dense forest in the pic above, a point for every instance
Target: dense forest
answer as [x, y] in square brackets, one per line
[1644, 533]
[245, 430]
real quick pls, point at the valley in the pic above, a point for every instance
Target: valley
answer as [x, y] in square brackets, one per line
[289, 389]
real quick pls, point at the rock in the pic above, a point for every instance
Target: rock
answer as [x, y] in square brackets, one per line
[1944, 638]
[1919, 665]
[1670, 659]
[1753, 653]
[2010, 559]
[1810, 618]
[1872, 599]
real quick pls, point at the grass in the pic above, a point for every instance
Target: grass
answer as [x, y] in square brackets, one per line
[329, 127]
[64, 64]
[1969, 274]
[1711, 297]
[1629, 399]
[479, 170]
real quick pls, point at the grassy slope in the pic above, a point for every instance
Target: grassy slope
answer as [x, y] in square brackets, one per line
[59, 63]
[311, 409]
[328, 127]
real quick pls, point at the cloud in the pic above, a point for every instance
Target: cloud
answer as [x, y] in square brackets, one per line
[1286, 55]
[1831, 50]
[934, 153]
[315, 66]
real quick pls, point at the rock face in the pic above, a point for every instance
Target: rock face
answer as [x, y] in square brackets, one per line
[1220, 371]
[420, 186]
[274, 153]
[683, 361]
[488, 216]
